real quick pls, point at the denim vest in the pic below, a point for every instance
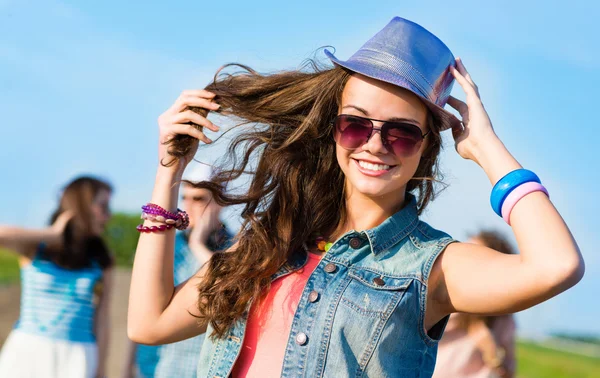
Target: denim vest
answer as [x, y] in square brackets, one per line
[362, 311]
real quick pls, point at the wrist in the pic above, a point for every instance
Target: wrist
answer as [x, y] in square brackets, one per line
[166, 188]
[495, 159]
[172, 174]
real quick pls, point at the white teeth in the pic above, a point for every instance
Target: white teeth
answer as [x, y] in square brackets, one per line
[373, 167]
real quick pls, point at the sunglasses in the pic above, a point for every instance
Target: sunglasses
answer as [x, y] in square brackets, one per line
[401, 138]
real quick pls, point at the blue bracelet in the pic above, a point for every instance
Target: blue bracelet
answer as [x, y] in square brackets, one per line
[507, 184]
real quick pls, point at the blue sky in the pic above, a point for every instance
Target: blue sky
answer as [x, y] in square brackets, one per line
[82, 83]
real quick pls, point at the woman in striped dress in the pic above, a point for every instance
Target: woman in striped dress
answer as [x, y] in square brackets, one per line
[62, 330]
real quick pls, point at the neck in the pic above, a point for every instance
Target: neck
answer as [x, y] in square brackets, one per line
[364, 212]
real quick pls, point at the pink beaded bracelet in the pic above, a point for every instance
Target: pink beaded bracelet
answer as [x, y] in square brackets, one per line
[161, 219]
[146, 229]
[517, 194]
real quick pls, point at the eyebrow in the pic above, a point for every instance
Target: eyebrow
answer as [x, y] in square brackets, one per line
[392, 119]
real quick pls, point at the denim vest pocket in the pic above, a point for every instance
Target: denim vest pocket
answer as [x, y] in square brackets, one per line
[365, 307]
[373, 294]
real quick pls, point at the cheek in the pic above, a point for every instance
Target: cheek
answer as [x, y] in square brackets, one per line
[97, 213]
[408, 168]
[343, 158]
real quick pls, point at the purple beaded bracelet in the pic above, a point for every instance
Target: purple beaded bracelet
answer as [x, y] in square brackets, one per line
[153, 212]
[153, 209]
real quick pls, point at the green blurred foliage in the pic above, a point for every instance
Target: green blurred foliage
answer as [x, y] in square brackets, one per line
[536, 361]
[9, 267]
[122, 237]
[592, 339]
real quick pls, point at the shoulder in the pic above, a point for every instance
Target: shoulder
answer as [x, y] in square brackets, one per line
[414, 253]
[426, 237]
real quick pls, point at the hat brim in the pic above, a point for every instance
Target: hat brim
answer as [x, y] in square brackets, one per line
[444, 118]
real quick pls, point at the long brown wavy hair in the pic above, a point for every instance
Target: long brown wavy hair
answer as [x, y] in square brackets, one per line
[80, 247]
[296, 188]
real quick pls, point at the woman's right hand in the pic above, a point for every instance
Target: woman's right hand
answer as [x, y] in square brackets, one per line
[178, 120]
[59, 225]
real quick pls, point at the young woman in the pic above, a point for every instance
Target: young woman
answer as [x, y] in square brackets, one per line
[333, 273]
[62, 330]
[477, 346]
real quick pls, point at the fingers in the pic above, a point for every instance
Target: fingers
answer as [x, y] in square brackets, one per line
[186, 129]
[194, 97]
[464, 79]
[463, 109]
[460, 106]
[190, 116]
[63, 219]
[463, 71]
[184, 102]
[198, 93]
[180, 119]
[65, 216]
[457, 131]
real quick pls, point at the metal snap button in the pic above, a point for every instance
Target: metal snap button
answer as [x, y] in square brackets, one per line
[379, 281]
[301, 338]
[355, 243]
[330, 268]
[313, 296]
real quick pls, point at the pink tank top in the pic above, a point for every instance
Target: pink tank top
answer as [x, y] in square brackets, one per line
[269, 325]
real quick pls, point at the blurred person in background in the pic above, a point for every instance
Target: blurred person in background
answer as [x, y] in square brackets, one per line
[193, 249]
[66, 282]
[476, 346]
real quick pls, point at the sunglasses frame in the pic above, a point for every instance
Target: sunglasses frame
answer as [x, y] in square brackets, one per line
[383, 140]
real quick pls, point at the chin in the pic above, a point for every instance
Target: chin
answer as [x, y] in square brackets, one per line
[371, 187]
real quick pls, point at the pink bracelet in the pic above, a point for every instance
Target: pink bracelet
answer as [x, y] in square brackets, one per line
[517, 194]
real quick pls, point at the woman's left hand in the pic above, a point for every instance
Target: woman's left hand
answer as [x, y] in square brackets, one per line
[477, 131]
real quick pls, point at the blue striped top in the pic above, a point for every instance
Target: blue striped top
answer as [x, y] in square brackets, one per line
[58, 303]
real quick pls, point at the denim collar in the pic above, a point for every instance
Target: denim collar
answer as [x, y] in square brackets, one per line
[382, 237]
[394, 228]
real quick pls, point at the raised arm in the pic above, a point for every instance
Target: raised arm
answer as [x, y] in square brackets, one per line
[159, 313]
[25, 241]
[475, 279]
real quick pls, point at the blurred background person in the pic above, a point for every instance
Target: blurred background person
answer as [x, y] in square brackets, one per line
[476, 346]
[66, 272]
[193, 248]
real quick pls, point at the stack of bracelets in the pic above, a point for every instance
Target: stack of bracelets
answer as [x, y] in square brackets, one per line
[169, 220]
[511, 188]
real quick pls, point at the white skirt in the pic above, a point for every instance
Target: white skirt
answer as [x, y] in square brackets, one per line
[26, 355]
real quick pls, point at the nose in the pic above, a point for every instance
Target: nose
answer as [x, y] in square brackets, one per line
[374, 144]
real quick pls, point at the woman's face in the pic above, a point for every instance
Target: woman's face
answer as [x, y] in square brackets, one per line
[371, 169]
[100, 211]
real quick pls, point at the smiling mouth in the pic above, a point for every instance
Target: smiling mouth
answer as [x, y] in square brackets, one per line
[373, 167]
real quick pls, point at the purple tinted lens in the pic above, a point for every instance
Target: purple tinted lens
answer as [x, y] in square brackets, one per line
[352, 132]
[404, 139]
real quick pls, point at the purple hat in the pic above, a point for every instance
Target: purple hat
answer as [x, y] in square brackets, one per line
[407, 55]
